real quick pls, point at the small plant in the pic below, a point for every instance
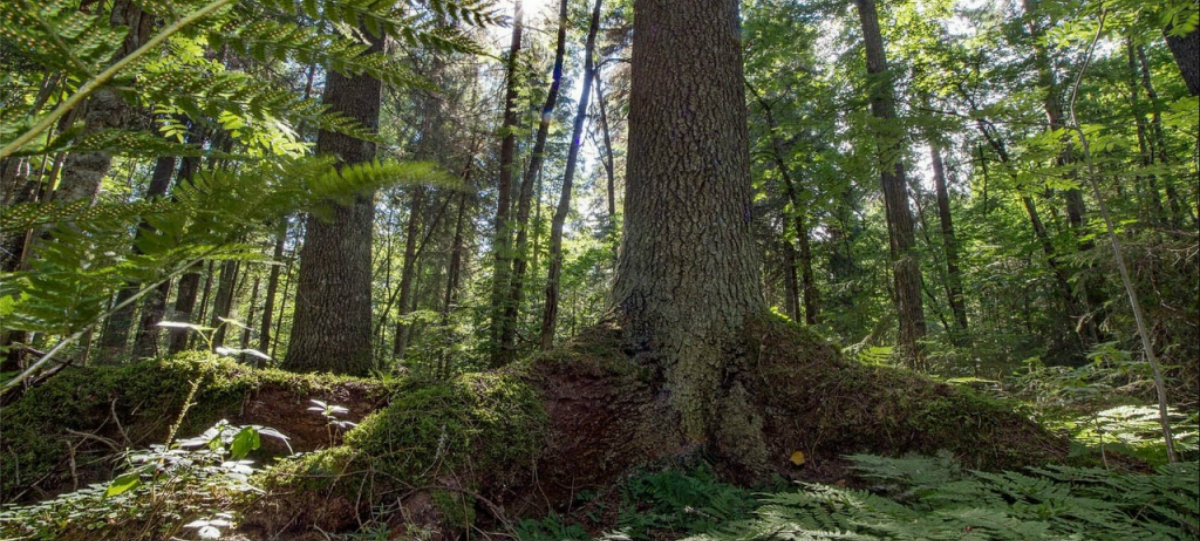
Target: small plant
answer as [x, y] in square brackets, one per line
[330, 412]
[163, 489]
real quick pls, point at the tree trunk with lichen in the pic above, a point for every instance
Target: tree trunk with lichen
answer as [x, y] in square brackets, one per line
[688, 274]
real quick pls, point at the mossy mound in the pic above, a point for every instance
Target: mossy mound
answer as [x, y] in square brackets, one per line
[609, 414]
[824, 405]
[426, 460]
[66, 432]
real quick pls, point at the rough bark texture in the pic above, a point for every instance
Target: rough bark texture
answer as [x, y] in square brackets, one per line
[950, 243]
[906, 270]
[688, 274]
[104, 110]
[554, 274]
[332, 328]
[1186, 50]
[501, 247]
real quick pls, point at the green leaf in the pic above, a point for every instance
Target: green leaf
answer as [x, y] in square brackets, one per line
[245, 441]
[123, 484]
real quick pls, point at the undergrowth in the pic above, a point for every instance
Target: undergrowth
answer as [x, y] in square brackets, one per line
[913, 497]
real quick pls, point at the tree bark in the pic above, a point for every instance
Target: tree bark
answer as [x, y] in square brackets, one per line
[688, 275]
[223, 302]
[906, 269]
[553, 276]
[332, 324]
[84, 171]
[1186, 50]
[501, 247]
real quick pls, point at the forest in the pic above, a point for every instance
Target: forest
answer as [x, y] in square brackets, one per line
[600, 269]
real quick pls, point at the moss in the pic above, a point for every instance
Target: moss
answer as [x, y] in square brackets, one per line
[144, 398]
[457, 509]
[491, 424]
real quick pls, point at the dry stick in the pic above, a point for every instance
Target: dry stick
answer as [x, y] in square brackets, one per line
[1134, 304]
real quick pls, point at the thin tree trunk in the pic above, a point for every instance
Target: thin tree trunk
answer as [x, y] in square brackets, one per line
[609, 167]
[799, 217]
[550, 309]
[1160, 140]
[907, 270]
[953, 278]
[512, 308]
[287, 282]
[501, 247]
[245, 343]
[1151, 191]
[264, 332]
[408, 271]
[223, 303]
[115, 337]
[791, 286]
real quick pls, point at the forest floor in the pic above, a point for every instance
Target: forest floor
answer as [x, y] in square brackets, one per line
[575, 443]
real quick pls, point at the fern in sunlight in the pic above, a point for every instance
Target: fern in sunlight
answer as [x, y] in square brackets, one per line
[933, 498]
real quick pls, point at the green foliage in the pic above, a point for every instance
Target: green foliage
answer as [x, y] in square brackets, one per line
[194, 482]
[932, 498]
[674, 501]
[143, 397]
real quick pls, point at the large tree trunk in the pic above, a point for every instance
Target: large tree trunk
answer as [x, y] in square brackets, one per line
[906, 269]
[950, 243]
[550, 311]
[104, 110]
[1186, 50]
[517, 288]
[501, 247]
[332, 327]
[688, 274]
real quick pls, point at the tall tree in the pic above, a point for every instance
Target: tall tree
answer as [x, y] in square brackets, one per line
[525, 198]
[954, 289]
[502, 239]
[550, 311]
[688, 274]
[906, 270]
[332, 327]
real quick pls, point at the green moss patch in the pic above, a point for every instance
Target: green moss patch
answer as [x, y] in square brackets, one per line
[86, 416]
[826, 406]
